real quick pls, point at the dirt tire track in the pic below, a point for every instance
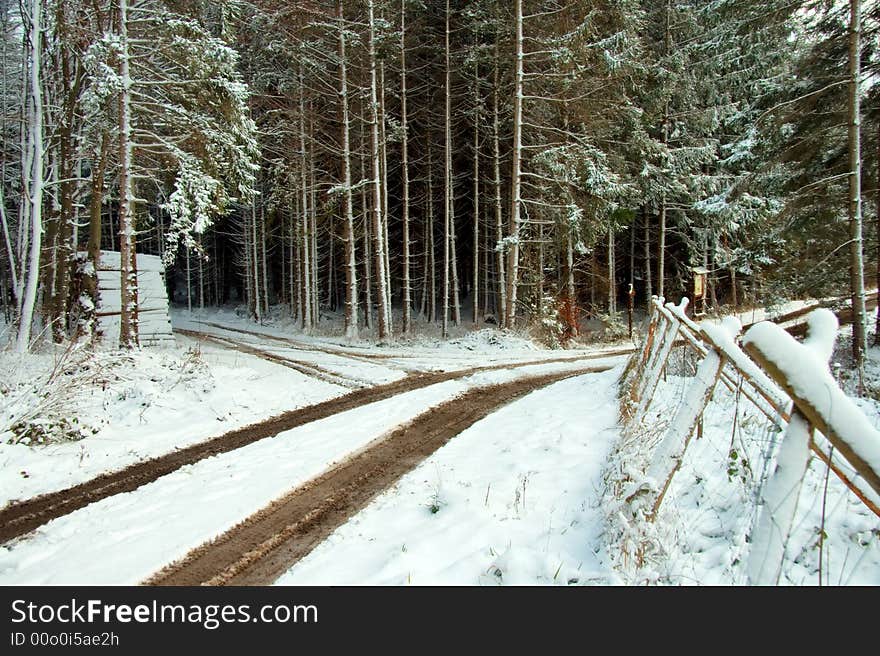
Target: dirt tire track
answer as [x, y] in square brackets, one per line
[367, 357]
[21, 517]
[303, 346]
[262, 547]
[305, 368]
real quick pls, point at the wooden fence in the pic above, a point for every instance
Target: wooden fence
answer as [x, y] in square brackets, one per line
[769, 372]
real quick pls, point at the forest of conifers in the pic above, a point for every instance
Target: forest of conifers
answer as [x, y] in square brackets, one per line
[385, 163]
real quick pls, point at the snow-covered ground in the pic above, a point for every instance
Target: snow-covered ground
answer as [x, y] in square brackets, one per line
[126, 537]
[518, 498]
[514, 499]
[141, 404]
[419, 352]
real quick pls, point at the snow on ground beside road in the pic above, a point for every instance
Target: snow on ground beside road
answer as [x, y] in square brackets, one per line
[126, 537]
[144, 404]
[514, 499]
[417, 353]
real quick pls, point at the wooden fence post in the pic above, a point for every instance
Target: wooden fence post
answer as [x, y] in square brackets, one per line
[667, 458]
[779, 502]
[655, 367]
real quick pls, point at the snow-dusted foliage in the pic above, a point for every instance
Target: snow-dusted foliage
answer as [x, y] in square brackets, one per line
[190, 115]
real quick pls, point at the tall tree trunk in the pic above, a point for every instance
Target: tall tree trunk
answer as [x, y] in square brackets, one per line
[661, 250]
[877, 213]
[501, 304]
[433, 258]
[99, 166]
[383, 167]
[857, 270]
[407, 283]
[189, 305]
[661, 255]
[378, 227]
[476, 278]
[264, 269]
[66, 185]
[4, 219]
[649, 291]
[292, 286]
[351, 293]
[368, 275]
[128, 325]
[447, 185]
[32, 176]
[569, 278]
[306, 243]
[515, 181]
[313, 224]
[612, 275]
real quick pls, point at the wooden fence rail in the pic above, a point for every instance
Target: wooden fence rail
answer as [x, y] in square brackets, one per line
[770, 372]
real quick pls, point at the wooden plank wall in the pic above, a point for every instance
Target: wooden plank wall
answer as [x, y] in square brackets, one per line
[154, 323]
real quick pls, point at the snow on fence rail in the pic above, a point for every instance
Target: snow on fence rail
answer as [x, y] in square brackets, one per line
[788, 382]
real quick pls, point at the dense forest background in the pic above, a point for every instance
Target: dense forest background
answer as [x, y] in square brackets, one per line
[379, 164]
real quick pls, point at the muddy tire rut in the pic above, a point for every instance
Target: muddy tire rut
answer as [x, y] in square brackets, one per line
[261, 548]
[305, 368]
[20, 517]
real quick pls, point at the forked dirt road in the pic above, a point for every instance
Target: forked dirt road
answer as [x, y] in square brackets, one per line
[19, 518]
[261, 548]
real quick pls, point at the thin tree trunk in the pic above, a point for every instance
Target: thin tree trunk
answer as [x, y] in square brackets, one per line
[447, 185]
[501, 304]
[433, 259]
[201, 278]
[298, 262]
[569, 279]
[877, 212]
[306, 243]
[189, 305]
[128, 327]
[661, 256]
[857, 270]
[255, 261]
[612, 275]
[265, 259]
[649, 291]
[368, 267]
[383, 167]
[514, 226]
[294, 306]
[313, 221]
[378, 228]
[661, 250]
[351, 293]
[476, 280]
[407, 291]
[487, 264]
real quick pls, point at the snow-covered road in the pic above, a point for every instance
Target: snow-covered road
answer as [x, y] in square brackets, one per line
[126, 537]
